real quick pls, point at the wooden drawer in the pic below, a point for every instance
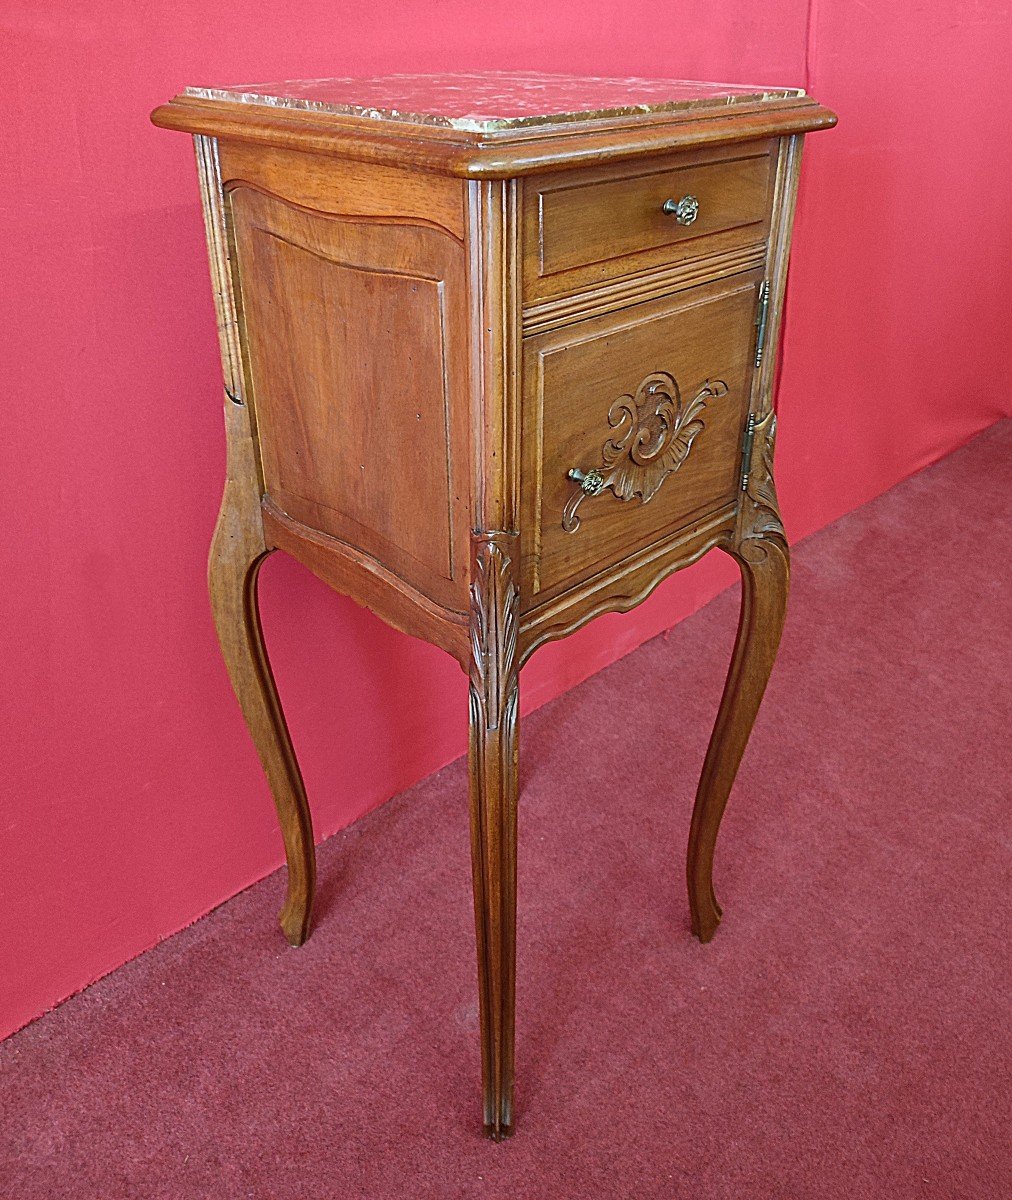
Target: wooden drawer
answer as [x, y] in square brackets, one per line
[654, 399]
[582, 228]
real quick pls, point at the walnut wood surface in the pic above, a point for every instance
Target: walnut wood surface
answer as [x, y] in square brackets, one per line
[402, 363]
[765, 571]
[415, 361]
[237, 552]
[580, 382]
[238, 549]
[584, 228]
[357, 189]
[492, 764]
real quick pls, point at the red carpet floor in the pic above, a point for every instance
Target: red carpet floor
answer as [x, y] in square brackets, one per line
[847, 1034]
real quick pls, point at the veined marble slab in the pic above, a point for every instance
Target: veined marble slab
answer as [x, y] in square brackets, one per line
[486, 101]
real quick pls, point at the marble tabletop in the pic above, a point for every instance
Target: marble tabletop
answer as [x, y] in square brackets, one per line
[486, 101]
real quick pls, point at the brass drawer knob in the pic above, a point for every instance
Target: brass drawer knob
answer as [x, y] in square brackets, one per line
[685, 211]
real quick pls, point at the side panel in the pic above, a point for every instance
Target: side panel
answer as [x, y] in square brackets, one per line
[354, 320]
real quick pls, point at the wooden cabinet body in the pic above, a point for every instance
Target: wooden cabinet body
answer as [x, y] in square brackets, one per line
[493, 375]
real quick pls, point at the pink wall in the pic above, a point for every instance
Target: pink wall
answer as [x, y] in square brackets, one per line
[133, 801]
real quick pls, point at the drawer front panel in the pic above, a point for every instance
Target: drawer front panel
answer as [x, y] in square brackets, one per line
[648, 405]
[584, 227]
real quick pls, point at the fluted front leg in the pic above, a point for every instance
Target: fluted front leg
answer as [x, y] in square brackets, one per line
[237, 552]
[492, 763]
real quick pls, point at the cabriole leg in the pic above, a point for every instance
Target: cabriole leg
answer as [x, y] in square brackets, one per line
[492, 765]
[237, 552]
[764, 567]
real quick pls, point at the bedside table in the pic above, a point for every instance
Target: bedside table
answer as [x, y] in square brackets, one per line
[498, 357]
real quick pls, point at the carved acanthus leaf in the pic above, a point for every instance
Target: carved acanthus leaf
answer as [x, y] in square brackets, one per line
[763, 515]
[495, 616]
[654, 434]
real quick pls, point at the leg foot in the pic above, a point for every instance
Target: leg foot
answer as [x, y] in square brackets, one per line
[237, 552]
[765, 570]
[492, 765]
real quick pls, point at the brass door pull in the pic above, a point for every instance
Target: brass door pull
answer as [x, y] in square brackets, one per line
[591, 481]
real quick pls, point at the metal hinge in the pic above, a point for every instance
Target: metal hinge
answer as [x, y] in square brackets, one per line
[747, 442]
[760, 319]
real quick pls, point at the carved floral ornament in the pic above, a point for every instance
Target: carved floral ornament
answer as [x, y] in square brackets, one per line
[654, 434]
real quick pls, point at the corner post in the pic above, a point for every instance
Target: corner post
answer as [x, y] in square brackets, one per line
[238, 549]
[759, 546]
[493, 669]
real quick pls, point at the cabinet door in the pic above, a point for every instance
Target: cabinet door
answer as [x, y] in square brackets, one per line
[648, 405]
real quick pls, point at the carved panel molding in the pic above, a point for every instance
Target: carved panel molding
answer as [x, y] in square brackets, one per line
[654, 434]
